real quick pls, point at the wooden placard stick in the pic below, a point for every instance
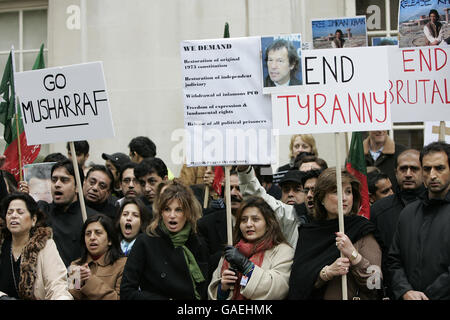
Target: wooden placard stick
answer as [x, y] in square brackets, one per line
[78, 180]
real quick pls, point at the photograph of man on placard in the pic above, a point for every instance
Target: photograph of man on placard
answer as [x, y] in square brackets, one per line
[281, 61]
[339, 32]
[423, 23]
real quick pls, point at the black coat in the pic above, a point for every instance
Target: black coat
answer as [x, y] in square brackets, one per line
[156, 270]
[384, 213]
[66, 226]
[419, 257]
[213, 228]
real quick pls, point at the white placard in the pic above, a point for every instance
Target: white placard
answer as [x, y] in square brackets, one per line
[64, 103]
[227, 118]
[344, 90]
[431, 132]
[419, 83]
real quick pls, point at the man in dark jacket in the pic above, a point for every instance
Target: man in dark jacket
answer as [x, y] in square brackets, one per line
[419, 257]
[381, 151]
[64, 213]
[385, 212]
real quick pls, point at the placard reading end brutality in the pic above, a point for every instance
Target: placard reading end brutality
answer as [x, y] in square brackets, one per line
[57, 102]
[226, 115]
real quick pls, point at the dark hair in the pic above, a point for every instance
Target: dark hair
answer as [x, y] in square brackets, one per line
[68, 165]
[434, 11]
[314, 173]
[149, 166]
[143, 211]
[294, 59]
[10, 181]
[31, 205]
[273, 230]
[307, 158]
[373, 178]
[438, 146]
[143, 146]
[128, 165]
[114, 252]
[81, 147]
[55, 157]
[104, 169]
[339, 31]
[326, 183]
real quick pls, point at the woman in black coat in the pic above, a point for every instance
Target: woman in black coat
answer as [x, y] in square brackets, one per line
[169, 260]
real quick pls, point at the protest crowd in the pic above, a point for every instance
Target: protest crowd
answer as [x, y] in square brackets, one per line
[148, 236]
[130, 228]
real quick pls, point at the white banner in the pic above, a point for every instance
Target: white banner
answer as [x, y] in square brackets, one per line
[64, 103]
[227, 118]
[344, 90]
[419, 83]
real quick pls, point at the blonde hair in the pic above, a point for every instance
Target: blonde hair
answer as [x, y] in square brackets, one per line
[307, 138]
[171, 190]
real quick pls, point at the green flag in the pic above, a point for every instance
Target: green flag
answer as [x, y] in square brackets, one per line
[7, 93]
[226, 33]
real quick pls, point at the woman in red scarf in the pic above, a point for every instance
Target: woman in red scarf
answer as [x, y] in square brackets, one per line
[259, 264]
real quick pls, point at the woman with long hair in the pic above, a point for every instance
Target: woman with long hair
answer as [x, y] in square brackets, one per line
[169, 260]
[30, 265]
[101, 263]
[318, 265]
[257, 267]
[131, 220]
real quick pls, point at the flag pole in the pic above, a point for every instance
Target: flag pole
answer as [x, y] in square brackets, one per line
[19, 150]
[228, 205]
[340, 210]
[78, 180]
[206, 198]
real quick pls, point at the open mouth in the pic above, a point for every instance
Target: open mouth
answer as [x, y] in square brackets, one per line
[57, 195]
[310, 204]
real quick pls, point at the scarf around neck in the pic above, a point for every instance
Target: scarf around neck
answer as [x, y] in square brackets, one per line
[179, 240]
[316, 247]
[255, 253]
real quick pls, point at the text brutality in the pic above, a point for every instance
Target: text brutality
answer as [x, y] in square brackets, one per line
[76, 104]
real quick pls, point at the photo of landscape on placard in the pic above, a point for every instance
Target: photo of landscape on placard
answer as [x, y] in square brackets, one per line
[414, 16]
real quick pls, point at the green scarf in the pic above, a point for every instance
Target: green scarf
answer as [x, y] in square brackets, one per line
[179, 239]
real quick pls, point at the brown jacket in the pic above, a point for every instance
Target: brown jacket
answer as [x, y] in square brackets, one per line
[104, 282]
[357, 276]
[192, 175]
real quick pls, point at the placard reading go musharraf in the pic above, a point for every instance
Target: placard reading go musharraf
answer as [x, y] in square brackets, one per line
[64, 103]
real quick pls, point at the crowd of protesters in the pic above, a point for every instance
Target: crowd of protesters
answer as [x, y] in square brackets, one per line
[149, 234]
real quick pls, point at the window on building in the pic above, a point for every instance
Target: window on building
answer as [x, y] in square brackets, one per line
[23, 24]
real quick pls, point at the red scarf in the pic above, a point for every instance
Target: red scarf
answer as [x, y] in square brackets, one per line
[255, 255]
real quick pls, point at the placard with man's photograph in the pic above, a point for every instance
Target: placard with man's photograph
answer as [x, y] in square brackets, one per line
[38, 177]
[339, 32]
[423, 23]
[281, 62]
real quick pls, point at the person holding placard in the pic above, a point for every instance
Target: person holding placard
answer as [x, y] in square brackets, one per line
[169, 260]
[101, 263]
[257, 267]
[419, 257]
[64, 213]
[283, 63]
[30, 265]
[323, 254]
